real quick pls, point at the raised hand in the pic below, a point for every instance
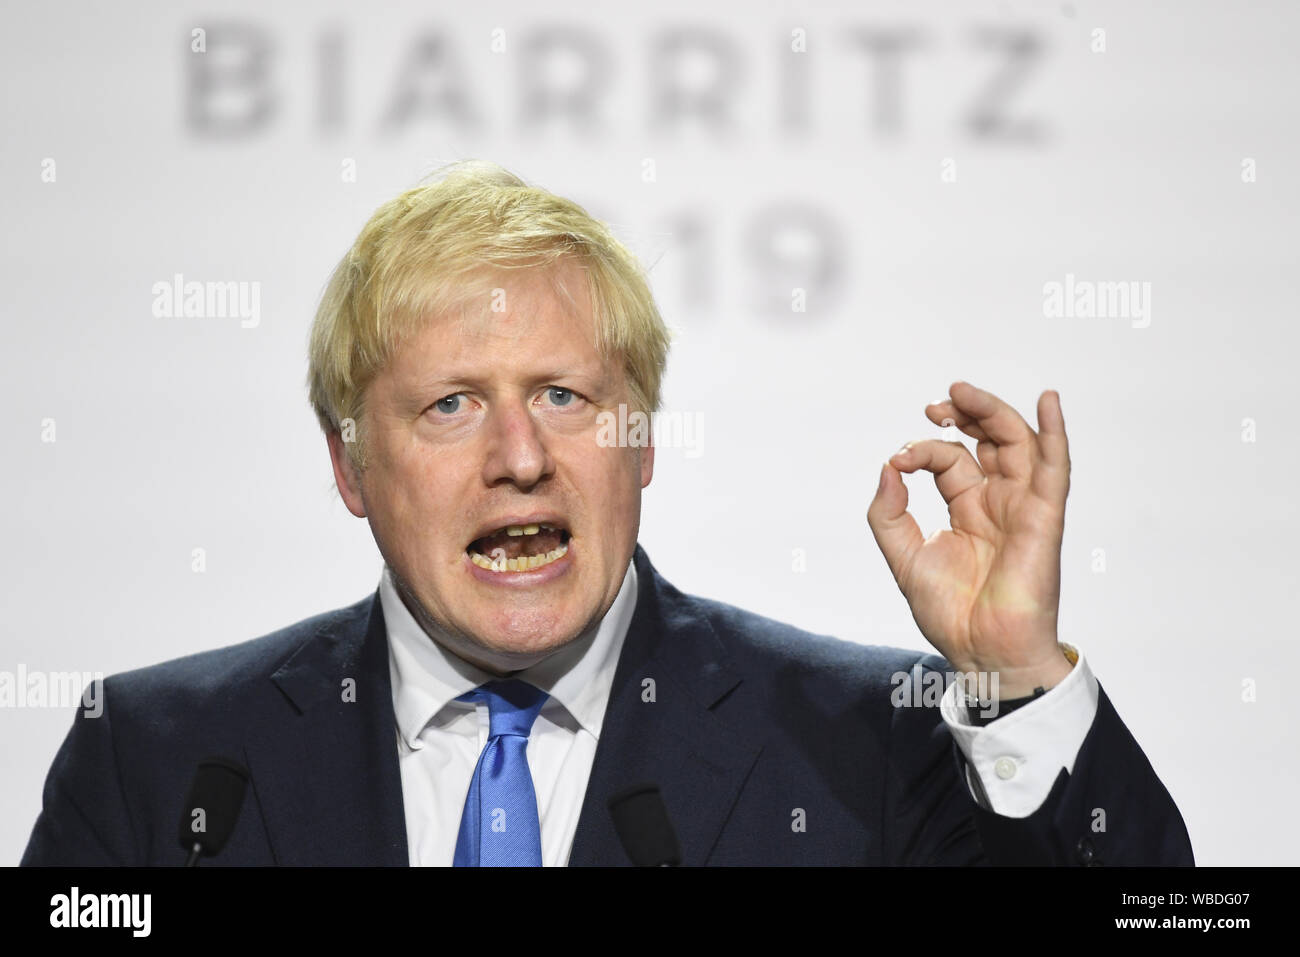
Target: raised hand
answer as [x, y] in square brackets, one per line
[985, 593]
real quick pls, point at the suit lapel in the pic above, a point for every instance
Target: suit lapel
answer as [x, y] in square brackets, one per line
[325, 772]
[660, 727]
[324, 762]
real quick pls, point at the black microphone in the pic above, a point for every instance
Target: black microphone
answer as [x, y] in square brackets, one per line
[212, 808]
[641, 820]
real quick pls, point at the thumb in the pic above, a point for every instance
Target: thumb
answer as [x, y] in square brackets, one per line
[895, 530]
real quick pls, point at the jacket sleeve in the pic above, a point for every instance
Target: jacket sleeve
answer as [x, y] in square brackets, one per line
[84, 818]
[1111, 810]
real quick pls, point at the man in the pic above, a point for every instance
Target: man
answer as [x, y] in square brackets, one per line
[522, 663]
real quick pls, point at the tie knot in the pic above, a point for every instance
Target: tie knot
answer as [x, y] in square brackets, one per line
[513, 705]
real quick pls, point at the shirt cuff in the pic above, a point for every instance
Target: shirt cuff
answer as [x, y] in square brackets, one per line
[1013, 761]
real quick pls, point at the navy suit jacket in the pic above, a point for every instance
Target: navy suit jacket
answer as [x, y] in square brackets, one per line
[770, 746]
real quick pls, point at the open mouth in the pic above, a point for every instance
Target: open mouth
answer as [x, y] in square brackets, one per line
[519, 548]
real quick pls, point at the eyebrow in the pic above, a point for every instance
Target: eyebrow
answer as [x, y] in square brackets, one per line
[455, 381]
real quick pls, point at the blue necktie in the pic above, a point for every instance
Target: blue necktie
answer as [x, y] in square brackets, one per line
[500, 826]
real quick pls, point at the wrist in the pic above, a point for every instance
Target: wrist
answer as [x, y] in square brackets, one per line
[1026, 683]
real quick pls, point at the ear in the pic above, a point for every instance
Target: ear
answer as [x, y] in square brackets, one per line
[345, 475]
[648, 462]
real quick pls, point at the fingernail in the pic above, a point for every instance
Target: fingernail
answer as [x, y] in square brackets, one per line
[903, 451]
[881, 487]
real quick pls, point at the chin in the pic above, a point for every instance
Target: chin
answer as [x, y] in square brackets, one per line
[525, 635]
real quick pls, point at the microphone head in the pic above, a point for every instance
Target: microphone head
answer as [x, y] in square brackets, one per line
[642, 822]
[212, 808]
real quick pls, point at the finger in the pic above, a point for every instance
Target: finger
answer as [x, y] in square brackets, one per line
[945, 414]
[955, 469]
[896, 531]
[1002, 423]
[1017, 448]
[987, 453]
[1052, 477]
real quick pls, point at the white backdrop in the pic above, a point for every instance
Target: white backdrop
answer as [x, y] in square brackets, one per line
[921, 170]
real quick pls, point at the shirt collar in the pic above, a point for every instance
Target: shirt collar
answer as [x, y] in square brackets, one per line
[426, 677]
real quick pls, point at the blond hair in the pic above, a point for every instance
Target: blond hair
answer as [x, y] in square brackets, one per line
[433, 248]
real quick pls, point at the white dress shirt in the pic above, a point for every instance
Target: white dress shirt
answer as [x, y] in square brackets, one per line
[1015, 760]
[439, 739]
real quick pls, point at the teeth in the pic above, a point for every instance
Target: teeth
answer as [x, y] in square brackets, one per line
[514, 530]
[522, 564]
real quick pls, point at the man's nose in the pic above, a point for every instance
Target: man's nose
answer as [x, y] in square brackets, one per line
[517, 447]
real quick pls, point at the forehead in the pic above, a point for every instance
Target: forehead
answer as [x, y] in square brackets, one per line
[514, 320]
[523, 304]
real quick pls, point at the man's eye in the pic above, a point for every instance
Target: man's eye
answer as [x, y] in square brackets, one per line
[560, 396]
[449, 404]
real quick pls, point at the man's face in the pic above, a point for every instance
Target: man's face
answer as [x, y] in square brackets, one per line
[484, 423]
